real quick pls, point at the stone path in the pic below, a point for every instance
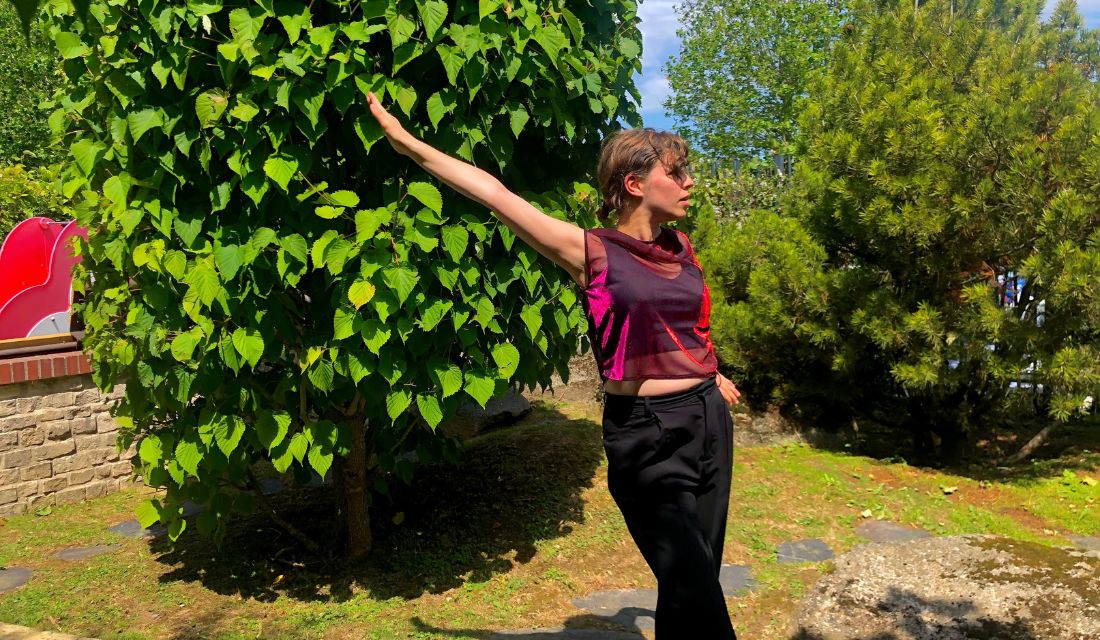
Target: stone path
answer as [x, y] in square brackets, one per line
[803, 551]
[559, 634]
[83, 553]
[883, 531]
[13, 578]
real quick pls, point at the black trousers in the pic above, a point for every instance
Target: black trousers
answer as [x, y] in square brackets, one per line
[670, 458]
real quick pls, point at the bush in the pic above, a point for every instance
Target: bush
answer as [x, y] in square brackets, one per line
[274, 280]
[29, 74]
[25, 193]
[950, 147]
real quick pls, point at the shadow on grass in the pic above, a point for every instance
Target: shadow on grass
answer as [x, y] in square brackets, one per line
[1071, 447]
[914, 617]
[583, 627]
[512, 489]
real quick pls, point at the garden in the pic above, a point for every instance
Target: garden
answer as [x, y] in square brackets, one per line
[897, 217]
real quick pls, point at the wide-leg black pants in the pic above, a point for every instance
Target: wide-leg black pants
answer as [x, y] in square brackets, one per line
[670, 458]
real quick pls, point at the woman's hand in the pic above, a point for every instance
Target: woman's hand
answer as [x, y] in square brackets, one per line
[729, 392]
[393, 130]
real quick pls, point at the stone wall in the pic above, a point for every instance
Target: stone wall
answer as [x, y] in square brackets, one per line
[57, 439]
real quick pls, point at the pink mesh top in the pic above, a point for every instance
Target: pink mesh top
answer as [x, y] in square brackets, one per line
[647, 305]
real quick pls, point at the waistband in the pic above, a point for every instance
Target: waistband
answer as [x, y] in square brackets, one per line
[663, 400]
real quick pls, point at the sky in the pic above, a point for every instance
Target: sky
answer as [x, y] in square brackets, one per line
[659, 42]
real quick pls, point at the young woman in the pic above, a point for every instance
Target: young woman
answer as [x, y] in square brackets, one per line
[666, 424]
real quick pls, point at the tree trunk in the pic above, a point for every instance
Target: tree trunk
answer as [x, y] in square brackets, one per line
[354, 496]
[1033, 444]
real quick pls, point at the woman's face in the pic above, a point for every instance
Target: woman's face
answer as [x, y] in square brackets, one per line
[667, 194]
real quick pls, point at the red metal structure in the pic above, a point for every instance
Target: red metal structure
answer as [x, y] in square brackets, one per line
[36, 281]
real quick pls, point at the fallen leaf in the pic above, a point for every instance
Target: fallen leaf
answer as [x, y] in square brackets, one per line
[867, 513]
[1089, 481]
[948, 490]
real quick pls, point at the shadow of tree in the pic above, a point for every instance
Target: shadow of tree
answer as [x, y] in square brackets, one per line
[511, 490]
[913, 617]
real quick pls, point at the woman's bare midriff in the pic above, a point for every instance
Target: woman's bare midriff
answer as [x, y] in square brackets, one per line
[650, 386]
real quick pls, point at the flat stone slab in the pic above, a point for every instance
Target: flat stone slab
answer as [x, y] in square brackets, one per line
[13, 578]
[1086, 542]
[269, 486]
[736, 579]
[883, 531]
[955, 588]
[565, 634]
[132, 529]
[631, 608]
[812, 550]
[83, 553]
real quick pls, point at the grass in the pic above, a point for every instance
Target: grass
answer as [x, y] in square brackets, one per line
[505, 539]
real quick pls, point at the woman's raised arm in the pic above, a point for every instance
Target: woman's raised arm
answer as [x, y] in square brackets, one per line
[558, 240]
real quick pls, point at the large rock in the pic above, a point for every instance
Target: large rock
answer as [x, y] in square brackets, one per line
[955, 588]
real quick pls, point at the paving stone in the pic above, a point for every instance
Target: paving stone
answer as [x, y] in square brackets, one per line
[191, 509]
[883, 531]
[804, 551]
[631, 608]
[565, 634]
[270, 486]
[736, 579]
[1086, 542]
[82, 553]
[13, 578]
[132, 529]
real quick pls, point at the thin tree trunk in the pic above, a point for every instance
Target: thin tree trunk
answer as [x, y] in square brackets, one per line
[354, 496]
[265, 506]
[1039, 440]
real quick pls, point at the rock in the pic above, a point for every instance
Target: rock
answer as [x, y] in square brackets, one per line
[955, 588]
[132, 529]
[1086, 542]
[631, 608]
[883, 531]
[13, 578]
[82, 553]
[736, 580]
[504, 409]
[804, 551]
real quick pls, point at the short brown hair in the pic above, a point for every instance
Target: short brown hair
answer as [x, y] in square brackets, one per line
[635, 151]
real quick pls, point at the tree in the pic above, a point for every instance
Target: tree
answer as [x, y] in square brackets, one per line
[949, 158]
[29, 74]
[742, 69]
[276, 284]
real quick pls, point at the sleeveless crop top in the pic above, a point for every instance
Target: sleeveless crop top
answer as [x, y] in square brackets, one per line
[648, 307]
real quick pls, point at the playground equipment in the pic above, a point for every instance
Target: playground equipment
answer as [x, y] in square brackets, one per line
[36, 281]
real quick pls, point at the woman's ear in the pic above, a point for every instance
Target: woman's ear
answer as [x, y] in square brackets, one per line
[634, 185]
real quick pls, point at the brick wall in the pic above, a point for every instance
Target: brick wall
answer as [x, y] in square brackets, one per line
[57, 439]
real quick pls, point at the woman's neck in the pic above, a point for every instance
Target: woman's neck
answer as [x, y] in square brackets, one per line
[640, 226]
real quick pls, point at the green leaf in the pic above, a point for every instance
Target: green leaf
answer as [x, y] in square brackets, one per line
[250, 344]
[341, 198]
[147, 514]
[479, 387]
[296, 246]
[433, 13]
[272, 427]
[321, 374]
[176, 529]
[402, 280]
[228, 260]
[227, 433]
[440, 104]
[430, 409]
[245, 24]
[360, 293]
[204, 280]
[369, 131]
[343, 324]
[397, 402]
[517, 118]
[447, 375]
[141, 121]
[532, 317]
[298, 446]
[329, 213]
[552, 40]
[368, 221]
[455, 241]
[210, 105]
[484, 311]
[507, 358]
[375, 335]
[434, 313]
[151, 450]
[320, 458]
[70, 46]
[244, 110]
[189, 454]
[281, 169]
[452, 61]
[427, 194]
[86, 154]
[183, 346]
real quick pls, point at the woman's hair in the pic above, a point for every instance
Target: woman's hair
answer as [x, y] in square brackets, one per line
[635, 151]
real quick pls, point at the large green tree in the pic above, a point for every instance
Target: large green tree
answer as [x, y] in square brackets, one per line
[952, 146]
[743, 68]
[29, 74]
[271, 279]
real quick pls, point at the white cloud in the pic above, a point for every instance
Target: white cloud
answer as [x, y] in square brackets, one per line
[654, 90]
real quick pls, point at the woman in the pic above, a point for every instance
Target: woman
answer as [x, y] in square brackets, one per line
[666, 425]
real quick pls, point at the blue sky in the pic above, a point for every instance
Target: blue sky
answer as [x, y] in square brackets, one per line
[659, 25]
